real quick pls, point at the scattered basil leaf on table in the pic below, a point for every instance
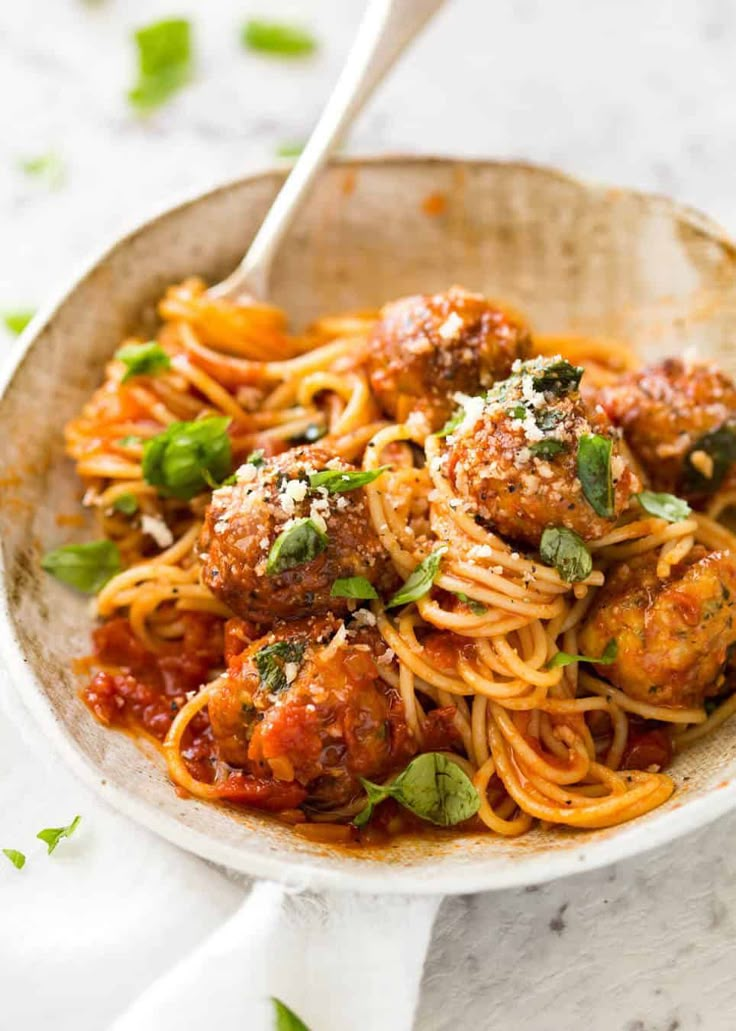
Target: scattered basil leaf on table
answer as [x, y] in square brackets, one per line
[339, 481]
[565, 659]
[301, 543]
[16, 858]
[558, 378]
[566, 551]
[720, 446]
[164, 62]
[286, 1019]
[87, 567]
[664, 506]
[53, 835]
[475, 606]
[16, 321]
[277, 38]
[143, 359]
[126, 504]
[594, 470]
[354, 587]
[432, 787]
[271, 661]
[180, 460]
[547, 448]
[48, 168]
[420, 580]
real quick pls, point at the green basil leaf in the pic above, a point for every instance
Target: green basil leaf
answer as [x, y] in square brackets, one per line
[594, 470]
[301, 543]
[289, 150]
[475, 606]
[164, 62]
[16, 858]
[432, 787]
[271, 660]
[547, 448]
[16, 321]
[664, 506]
[517, 412]
[53, 835]
[565, 659]
[127, 504]
[339, 481]
[256, 458]
[143, 359]
[269, 37]
[452, 424]
[49, 168]
[547, 418]
[557, 378]
[420, 580]
[286, 1019]
[180, 460]
[354, 587]
[87, 567]
[566, 551]
[720, 446]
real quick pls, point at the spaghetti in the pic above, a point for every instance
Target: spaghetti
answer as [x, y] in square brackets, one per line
[484, 665]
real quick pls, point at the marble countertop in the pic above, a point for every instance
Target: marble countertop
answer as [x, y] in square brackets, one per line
[629, 93]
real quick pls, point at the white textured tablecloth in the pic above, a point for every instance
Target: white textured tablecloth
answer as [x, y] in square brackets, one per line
[640, 94]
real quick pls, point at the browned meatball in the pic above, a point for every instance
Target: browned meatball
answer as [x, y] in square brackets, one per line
[517, 455]
[679, 419]
[329, 536]
[291, 710]
[426, 349]
[673, 635]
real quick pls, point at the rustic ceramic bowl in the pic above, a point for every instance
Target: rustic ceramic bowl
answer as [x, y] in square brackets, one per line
[571, 255]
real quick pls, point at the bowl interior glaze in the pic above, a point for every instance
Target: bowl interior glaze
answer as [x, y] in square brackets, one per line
[572, 256]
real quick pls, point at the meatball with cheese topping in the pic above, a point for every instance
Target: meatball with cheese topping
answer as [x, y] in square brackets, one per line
[532, 454]
[275, 541]
[306, 703]
[425, 349]
[672, 635]
[679, 419]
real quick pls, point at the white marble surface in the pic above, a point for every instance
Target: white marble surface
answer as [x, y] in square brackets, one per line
[631, 93]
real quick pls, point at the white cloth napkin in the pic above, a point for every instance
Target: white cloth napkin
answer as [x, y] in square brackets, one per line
[118, 929]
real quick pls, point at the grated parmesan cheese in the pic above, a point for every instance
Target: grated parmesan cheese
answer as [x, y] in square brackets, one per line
[156, 528]
[450, 328]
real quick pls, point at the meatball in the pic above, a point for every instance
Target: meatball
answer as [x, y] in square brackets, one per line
[679, 419]
[306, 703]
[329, 536]
[673, 635]
[516, 459]
[426, 349]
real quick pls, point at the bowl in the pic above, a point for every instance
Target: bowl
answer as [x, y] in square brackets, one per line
[573, 256]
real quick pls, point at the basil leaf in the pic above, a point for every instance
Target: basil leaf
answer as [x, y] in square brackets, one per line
[142, 359]
[256, 458]
[180, 459]
[594, 470]
[286, 1019]
[269, 37]
[517, 412]
[547, 418]
[664, 506]
[566, 551]
[48, 168]
[420, 580]
[339, 481]
[354, 587]
[565, 659]
[164, 62]
[558, 378]
[720, 446]
[16, 858]
[452, 424]
[475, 606]
[53, 835]
[271, 661]
[301, 543]
[289, 150]
[432, 787]
[16, 321]
[547, 448]
[87, 567]
[126, 503]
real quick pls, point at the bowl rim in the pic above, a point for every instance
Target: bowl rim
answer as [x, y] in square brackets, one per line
[626, 841]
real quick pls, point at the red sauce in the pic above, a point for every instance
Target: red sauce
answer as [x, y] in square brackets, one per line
[648, 745]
